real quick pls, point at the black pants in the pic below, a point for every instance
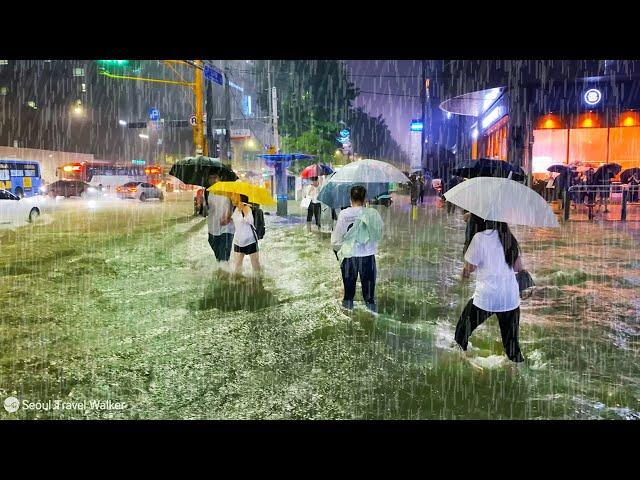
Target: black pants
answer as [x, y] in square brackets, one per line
[472, 317]
[366, 268]
[221, 246]
[314, 210]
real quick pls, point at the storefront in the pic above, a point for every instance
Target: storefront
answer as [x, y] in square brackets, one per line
[587, 123]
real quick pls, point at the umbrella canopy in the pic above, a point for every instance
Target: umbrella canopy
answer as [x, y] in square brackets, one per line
[606, 172]
[369, 171]
[558, 168]
[196, 170]
[502, 200]
[316, 170]
[338, 195]
[486, 167]
[255, 193]
[628, 173]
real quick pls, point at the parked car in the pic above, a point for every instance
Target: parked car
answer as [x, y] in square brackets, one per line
[139, 190]
[69, 188]
[16, 210]
[384, 200]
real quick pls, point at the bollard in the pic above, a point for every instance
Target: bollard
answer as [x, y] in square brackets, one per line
[623, 211]
[565, 204]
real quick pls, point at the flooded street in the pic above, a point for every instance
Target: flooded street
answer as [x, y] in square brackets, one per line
[126, 303]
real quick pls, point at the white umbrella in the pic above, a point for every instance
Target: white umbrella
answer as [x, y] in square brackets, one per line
[502, 200]
[369, 171]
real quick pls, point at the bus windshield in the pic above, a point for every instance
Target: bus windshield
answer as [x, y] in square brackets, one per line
[20, 177]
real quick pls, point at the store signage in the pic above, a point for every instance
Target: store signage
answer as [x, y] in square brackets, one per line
[592, 96]
[416, 126]
[492, 116]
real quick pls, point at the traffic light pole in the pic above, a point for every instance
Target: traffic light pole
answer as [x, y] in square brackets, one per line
[198, 129]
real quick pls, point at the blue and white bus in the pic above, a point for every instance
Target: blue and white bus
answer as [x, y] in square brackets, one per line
[20, 177]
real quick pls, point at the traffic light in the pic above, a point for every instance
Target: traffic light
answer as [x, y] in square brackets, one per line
[119, 66]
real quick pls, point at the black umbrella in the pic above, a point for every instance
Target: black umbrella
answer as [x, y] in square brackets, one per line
[606, 172]
[558, 168]
[196, 170]
[628, 173]
[485, 167]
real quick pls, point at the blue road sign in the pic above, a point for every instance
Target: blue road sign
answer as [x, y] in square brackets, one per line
[154, 114]
[212, 74]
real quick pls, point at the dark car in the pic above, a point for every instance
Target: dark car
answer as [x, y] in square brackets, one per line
[69, 188]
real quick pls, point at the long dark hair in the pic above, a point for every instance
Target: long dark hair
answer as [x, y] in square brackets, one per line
[508, 241]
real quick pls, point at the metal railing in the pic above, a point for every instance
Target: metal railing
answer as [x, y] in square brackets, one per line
[627, 191]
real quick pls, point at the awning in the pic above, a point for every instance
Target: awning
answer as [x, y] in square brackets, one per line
[472, 104]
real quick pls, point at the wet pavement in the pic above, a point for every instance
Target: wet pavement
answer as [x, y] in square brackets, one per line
[124, 302]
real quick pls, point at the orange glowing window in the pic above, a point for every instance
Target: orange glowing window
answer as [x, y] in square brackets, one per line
[588, 120]
[629, 119]
[67, 168]
[549, 121]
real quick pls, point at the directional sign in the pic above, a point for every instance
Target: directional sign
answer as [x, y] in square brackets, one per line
[154, 114]
[192, 120]
[212, 74]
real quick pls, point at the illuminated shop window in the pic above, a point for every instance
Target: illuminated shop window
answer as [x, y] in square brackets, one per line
[588, 145]
[624, 146]
[549, 148]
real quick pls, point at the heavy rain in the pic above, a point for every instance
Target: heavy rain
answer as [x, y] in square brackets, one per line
[132, 190]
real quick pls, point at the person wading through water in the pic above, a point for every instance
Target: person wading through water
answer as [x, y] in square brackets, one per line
[219, 224]
[494, 254]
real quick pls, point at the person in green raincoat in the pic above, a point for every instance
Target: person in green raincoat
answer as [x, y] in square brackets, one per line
[355, 240]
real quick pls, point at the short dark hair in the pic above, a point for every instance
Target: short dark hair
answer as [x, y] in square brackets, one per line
[358, 193]
[314, 179]
[244, 198]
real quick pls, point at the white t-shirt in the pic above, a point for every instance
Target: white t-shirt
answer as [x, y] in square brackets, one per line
[496, 285]
[244, 235]
[312, 193]
[219, 207]
[347, 217]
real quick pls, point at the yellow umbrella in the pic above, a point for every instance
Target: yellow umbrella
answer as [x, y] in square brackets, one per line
[254, 193]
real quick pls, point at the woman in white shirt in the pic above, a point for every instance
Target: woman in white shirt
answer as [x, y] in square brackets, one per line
[245, 239]
[494, 254]
[314, 209]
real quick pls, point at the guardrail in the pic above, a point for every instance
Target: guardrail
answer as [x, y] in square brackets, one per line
[592, 190]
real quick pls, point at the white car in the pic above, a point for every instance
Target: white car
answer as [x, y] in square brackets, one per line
[15, 210]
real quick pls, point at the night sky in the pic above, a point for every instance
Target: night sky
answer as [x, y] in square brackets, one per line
[401, 79]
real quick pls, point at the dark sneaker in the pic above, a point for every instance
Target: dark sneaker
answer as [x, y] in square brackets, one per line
[372, 307]
[348, 304]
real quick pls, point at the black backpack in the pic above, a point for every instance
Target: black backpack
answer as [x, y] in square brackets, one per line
[258, 220]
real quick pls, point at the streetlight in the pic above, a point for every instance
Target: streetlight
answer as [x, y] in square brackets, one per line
[143, 135]
[77, 110]
[122, 122]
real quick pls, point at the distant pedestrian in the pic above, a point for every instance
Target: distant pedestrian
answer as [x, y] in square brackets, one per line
[421, 189]
[495, 254]
[219, 224]
[415, 189]
[314, 209]
[245, 240]
[355, 241]
[634, 183]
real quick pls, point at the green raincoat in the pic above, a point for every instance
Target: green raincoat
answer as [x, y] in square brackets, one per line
[367, 228]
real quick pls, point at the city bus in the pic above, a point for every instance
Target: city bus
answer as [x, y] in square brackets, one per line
[102, 172]
[20, 177]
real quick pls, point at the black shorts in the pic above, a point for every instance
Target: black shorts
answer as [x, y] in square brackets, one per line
[248, 250]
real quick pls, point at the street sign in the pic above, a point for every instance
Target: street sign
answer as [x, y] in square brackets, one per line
[212, 74]
[138, 162]
[192, 120]
[240, 133]
[154, 114]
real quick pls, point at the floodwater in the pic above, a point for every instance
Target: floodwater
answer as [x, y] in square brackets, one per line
[128, 305]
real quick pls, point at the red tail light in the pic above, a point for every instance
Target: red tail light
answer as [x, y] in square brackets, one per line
[118, 189]
[132, 189]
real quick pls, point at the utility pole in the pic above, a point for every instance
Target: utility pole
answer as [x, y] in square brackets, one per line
[227, 154]
[423, 100]
[274, 102]
[198, 129]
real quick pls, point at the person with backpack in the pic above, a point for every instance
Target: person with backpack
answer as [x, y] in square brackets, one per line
[355, 241]
[219, 224]
[245, 240]
[494, 254]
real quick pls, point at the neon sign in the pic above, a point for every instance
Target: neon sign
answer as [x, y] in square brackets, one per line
[592, 96]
